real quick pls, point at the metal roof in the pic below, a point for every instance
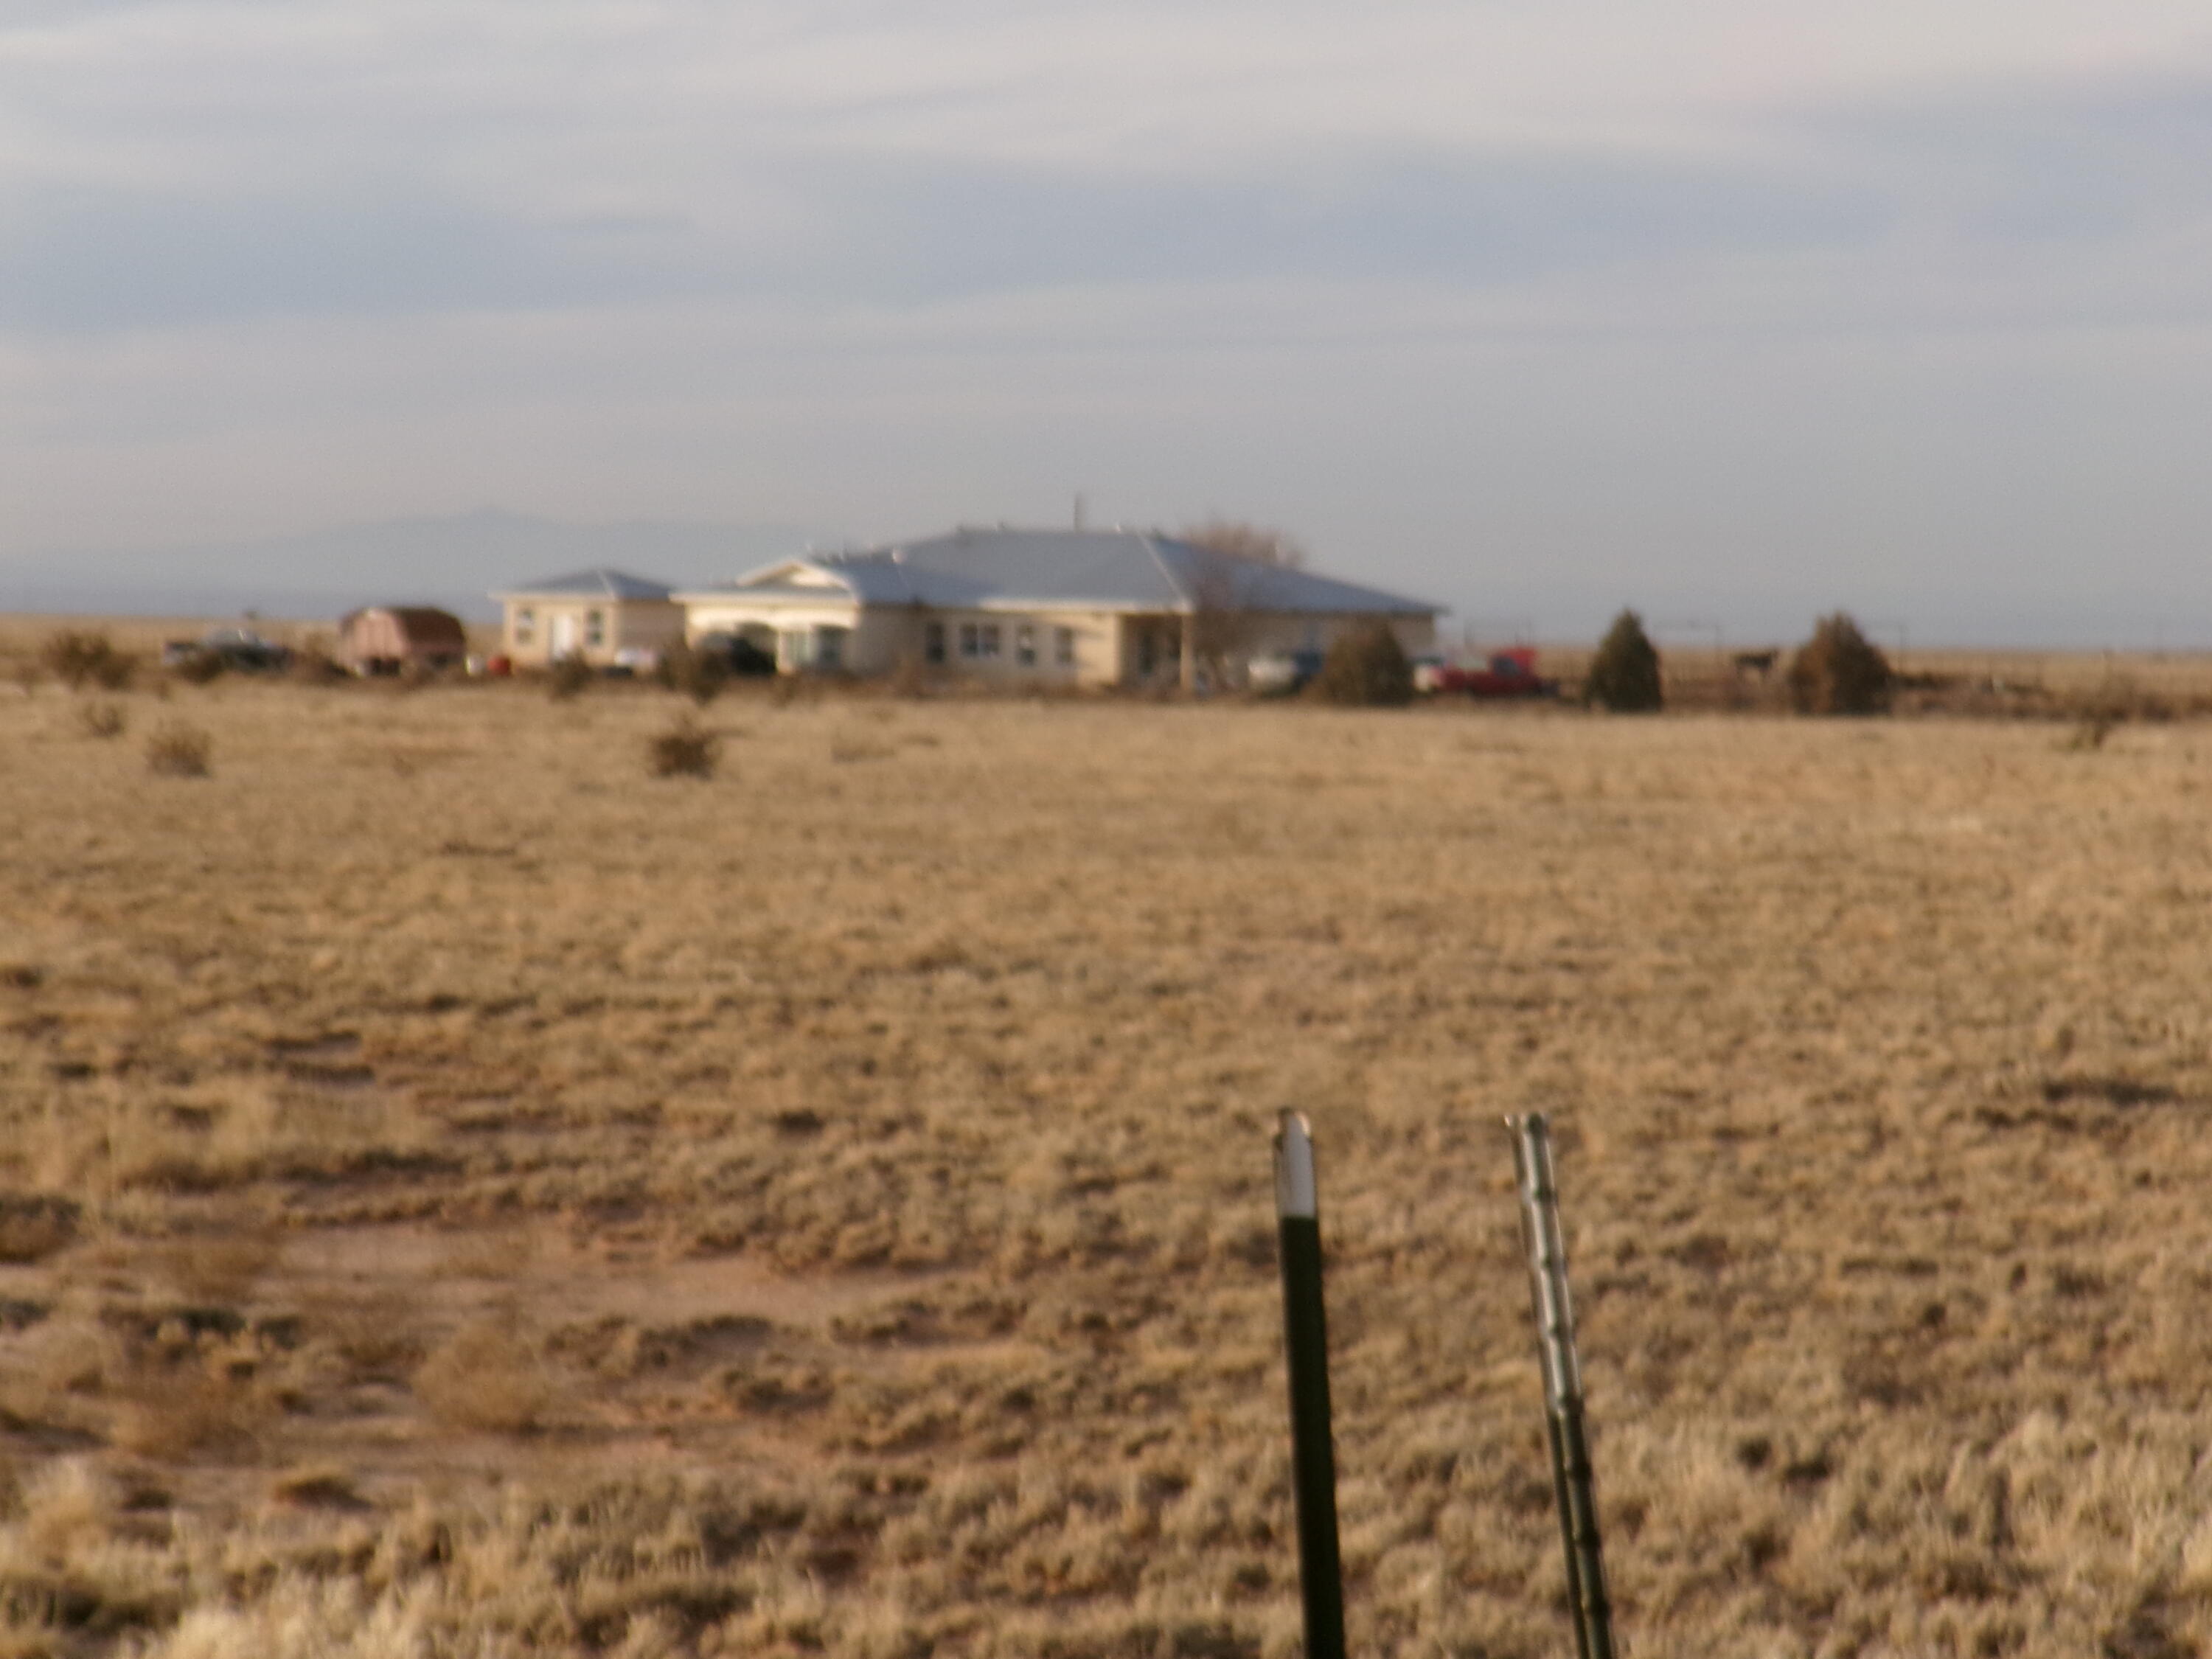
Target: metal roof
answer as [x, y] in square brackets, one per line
[1112, 570]
[600, 583]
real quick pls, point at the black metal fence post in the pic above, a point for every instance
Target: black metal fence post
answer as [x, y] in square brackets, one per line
[1587, 1604]
[1305, 1337]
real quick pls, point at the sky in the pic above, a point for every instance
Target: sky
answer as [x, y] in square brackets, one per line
[1733, 313]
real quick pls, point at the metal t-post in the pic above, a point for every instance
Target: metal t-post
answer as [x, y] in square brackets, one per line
[1305, 1337]
[1587, 1602]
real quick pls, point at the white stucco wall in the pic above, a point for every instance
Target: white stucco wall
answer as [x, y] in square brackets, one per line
[625, 624]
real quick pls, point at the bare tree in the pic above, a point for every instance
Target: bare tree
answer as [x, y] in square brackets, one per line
[1220, 621]
[1261, 543]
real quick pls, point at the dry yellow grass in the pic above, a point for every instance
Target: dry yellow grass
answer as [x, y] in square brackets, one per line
[869, 1161]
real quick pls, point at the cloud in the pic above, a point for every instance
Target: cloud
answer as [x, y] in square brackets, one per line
[94, 260]
[885, 231]
[1720, 290]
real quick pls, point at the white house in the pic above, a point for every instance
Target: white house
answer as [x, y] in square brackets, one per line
[596, 615]
[1086, 607]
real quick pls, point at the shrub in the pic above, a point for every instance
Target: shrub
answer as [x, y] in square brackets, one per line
[312, 664]
[2091, 731]
[696, 674]
[219, 1269]
[488, 1378]
[570, 676]
[33, 1226]
[317, 1486]
[1623, 675]
[1839, 672]
[200, 666]
[178, 751]
[73, 658]
[173, 1416]
[102, 719]
[1366, 668]
[683, 750]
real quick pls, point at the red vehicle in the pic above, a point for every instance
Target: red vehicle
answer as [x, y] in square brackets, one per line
[1508, 673]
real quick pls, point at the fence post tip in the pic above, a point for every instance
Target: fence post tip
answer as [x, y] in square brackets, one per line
[1296, 1192]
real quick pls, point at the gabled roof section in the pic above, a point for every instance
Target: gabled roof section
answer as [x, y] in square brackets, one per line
[808, 572]
[1113, 569]
[1106, 570]
[1208, 580]
[424, 624]
[816, 576]
[599, 584]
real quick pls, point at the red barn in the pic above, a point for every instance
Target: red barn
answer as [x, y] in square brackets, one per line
[387, 639]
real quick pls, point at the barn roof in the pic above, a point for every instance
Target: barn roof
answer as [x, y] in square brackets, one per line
[425, 623]
[1113, 569]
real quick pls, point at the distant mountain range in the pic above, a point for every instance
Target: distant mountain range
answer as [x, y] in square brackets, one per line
[453, 562]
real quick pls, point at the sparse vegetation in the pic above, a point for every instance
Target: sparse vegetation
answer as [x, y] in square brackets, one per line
[692, 673]
[1624, 676]
[1366, 668]
[313, 664]
[219, 1266]
[686, 749]
[78, 657]
[863, 1187]
[179, 751]
[1839, 672]
[34, 1225]
[102, 720]
[179, 1411]
[200, 667]
[569, 677]
[2090, 732]
[487, 1379]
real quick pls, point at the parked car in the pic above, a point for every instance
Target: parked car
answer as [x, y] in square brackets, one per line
[1280, 672]
[239, 649]
[740, 655]
[1506, 674]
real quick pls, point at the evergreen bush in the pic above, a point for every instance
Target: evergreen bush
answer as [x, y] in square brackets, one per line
[1623, 675]
[1839, 672]
[1366, 668]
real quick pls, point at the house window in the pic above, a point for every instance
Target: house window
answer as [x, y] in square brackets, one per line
[526, 625]
[971, 640]
[829, 647]
[990, 647]
[932, 643]
[1025, 646]
[595, 629]
[1063, 647]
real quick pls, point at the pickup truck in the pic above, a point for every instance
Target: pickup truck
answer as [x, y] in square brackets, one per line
[240, 649]
[1505, 674]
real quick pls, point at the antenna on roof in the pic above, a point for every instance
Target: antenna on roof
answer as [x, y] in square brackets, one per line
[1079, 509]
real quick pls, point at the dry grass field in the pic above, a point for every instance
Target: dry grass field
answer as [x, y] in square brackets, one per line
[462, 1195]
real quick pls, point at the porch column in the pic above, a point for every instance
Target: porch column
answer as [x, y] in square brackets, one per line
[1186, 627]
